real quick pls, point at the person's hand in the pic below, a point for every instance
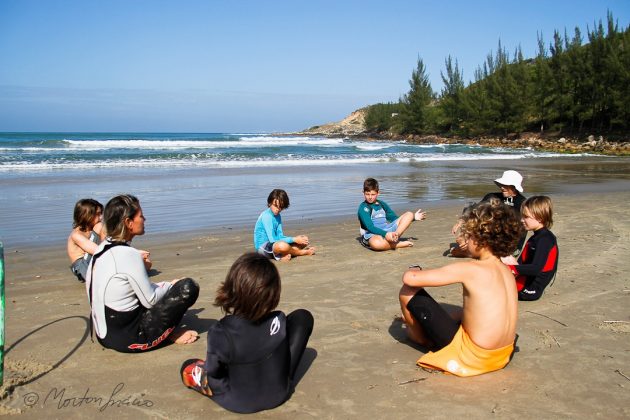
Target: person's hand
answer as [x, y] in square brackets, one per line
[176, 280]
[301, 240]
[420, 215]
[146, 258]
[509, 260]
[391, 237]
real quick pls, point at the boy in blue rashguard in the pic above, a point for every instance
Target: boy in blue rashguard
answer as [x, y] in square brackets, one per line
[380, 225]
[269, 240]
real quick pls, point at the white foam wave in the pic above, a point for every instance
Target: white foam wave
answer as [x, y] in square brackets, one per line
[209, 162]
[371, 147]
[242, 142]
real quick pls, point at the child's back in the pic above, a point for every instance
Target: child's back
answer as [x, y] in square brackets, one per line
[256, 355]
[254, 351]
[482, 340]
[490, 303]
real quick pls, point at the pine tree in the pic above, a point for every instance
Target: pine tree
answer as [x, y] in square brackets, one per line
[451, 97]
[414, 118]
[541, 87]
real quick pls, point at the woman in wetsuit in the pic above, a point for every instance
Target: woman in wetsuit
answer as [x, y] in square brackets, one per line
[130, 313]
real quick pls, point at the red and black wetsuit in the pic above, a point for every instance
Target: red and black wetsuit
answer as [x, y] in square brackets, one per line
[537, 265]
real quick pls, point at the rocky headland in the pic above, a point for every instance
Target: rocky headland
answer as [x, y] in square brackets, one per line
[353, 126]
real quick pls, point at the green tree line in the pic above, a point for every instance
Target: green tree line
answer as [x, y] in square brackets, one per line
[572, 86]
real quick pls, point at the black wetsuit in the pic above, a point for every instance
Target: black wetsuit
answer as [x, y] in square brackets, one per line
[250, 365]
[537, 265]
[514, 202]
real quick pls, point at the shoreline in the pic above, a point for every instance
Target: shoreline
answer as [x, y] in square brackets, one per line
[202, 199]
[573, 342]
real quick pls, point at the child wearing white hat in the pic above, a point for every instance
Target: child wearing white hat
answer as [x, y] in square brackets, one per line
[511, 185]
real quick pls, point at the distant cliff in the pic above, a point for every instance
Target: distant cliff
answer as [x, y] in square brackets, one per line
[354, 126]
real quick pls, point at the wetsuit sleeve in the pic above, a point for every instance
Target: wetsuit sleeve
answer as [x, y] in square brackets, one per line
[544, 247]
[365, 218]
[148, 293]
[390, 214]
[218, 352]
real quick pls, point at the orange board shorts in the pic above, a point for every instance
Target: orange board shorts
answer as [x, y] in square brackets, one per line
[462, 357]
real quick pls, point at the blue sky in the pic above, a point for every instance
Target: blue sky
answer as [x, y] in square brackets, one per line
[247, 66]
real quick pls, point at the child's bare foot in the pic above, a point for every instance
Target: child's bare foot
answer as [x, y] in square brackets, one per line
[184, 336]
[308, 251]
[404, 244]
[286, 258]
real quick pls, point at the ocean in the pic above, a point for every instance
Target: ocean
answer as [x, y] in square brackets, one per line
[32, 152]
[193, 182]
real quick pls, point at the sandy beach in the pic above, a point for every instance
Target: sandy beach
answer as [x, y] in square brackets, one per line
[573, 358]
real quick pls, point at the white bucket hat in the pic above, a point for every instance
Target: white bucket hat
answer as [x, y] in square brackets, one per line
[512, 178]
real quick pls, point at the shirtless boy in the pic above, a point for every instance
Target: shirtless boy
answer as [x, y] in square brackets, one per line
[481, 338]
[85, 236]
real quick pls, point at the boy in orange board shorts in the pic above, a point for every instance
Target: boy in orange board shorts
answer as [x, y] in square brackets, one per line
[481, 338]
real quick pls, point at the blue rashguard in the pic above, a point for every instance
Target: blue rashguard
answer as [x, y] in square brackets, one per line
[269, 229]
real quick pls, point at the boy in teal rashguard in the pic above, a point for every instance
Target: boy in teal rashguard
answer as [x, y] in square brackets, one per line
[269, 240]
[381, 228]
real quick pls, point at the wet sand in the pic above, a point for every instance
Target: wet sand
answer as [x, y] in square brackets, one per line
[574, 348]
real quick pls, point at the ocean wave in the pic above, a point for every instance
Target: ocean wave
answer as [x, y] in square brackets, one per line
[196, 161]
[243, 142]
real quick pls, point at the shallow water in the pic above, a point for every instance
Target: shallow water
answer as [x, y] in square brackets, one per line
[36, 207]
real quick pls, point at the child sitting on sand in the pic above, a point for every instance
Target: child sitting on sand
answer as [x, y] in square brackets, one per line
[85, 236]
[510, 184]
[481, 338]
[537, 264]
[269, 240]
[381, 227]
[253, 352]
[87, 233]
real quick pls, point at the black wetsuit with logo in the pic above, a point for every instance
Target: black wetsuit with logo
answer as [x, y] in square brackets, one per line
[250, 365]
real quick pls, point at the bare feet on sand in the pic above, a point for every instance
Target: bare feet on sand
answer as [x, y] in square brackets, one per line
[184, 336]
[404, 244]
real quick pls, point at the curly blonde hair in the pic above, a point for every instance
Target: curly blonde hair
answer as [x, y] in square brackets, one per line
[492, 225]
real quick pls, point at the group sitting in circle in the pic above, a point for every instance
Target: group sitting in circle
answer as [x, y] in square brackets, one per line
[254, 350]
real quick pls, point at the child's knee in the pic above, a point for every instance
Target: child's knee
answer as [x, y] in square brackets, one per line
[281, 247]
[189, 290]
[301, 317]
